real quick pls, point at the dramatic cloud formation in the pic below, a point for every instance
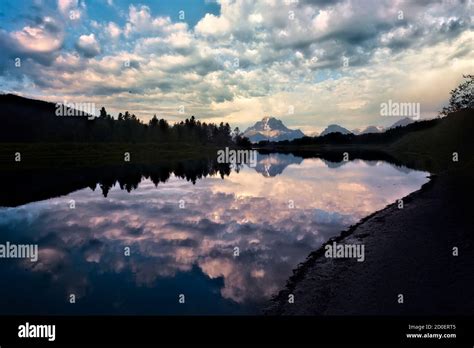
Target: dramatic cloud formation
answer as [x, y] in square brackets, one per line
[331, 61]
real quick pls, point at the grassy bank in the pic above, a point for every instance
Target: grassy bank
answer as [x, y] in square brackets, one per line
[72, 155]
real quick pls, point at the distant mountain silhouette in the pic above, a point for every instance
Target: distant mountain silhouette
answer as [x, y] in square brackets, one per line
[379, 129]
[334, 128]
[402, 123]
[368, 130]
[270, 128]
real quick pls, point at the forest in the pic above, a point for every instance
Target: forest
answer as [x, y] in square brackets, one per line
[27, 120]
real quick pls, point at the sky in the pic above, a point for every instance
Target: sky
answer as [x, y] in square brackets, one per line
[309, 63]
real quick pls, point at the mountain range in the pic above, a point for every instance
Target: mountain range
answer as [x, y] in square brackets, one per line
[273, 129]
[334, 128]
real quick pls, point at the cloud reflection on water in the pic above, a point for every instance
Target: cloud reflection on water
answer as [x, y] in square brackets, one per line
[249, 210]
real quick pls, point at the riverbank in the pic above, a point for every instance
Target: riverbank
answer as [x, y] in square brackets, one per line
[408, 252]
[85, 155]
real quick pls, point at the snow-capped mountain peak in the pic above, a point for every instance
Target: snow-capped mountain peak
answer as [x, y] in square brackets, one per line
[273, 129]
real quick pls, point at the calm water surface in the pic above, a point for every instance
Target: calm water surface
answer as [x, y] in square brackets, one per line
[183, 237]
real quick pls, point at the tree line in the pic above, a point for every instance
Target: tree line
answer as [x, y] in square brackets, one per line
[129, 128]
[27, 120]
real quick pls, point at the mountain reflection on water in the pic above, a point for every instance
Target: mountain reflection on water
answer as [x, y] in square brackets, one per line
[182, 234]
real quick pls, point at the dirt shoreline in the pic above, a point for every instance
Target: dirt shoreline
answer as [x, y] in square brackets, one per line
[408, 251]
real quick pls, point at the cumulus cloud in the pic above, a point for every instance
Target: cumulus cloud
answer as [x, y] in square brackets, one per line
[46, 37]
[65, 5]
[71, 9]
[212, 25]
[113, 30]
[88, 46]
[141, 22]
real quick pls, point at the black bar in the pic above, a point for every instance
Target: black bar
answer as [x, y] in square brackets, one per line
[194, 330]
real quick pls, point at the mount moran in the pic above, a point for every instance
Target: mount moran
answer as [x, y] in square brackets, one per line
[270, 128]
